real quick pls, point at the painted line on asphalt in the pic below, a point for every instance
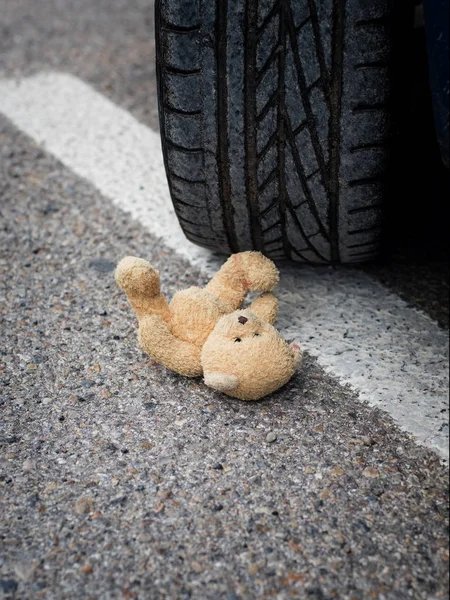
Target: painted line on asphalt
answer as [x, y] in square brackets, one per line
[393, 356]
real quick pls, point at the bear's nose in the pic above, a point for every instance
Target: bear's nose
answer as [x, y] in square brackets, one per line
[242, 320]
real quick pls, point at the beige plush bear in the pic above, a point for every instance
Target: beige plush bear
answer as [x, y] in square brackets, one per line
[204, 331]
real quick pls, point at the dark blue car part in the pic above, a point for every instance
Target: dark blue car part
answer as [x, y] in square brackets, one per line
[437, 32]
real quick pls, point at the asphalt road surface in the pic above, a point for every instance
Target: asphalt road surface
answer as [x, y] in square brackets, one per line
[121, 480]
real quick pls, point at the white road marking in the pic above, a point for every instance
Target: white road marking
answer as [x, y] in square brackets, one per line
[394, 356]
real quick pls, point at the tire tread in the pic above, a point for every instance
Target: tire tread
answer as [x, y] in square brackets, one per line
[306, 137]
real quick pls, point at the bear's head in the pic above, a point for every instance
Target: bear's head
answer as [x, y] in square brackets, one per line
[247, 358]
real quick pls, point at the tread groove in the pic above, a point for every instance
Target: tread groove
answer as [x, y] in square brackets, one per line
[300, 255]
[324, 74]
[273, 242]
[273, 55]
[281, 120]
[315, 84]
[300, 204]
[271, 142]
[199, 236]
[268, 180]
[183, 113]
[269, 104]
[223, 158]
[312, 175]
[271, 227]
[187, 220]
[360, 254]
[251, 118]
[302, 24]
[179, 28]
[365, 230]
[376, 180]
[302, 176]
[361, 245]
[301, 79]
[182, 72]
[183, 148]
[363, 209]
[267, 19]
[305, 237]
[185, 180]
[335, 92]
[381, 145]
[300, 128]
[271, 206]
[183, 203]
[376, 64]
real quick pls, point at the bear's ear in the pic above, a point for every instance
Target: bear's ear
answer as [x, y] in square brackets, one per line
[221, 382]
[298, 354]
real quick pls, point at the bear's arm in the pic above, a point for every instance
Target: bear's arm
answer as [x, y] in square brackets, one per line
[265, 307]
[157, 340]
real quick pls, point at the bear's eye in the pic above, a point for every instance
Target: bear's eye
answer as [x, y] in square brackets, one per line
[238, 340]
[256, 335]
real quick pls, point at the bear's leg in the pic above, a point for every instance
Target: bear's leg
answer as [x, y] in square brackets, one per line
[265, 307]
[141, 283]
[157, 341]
[242, 273]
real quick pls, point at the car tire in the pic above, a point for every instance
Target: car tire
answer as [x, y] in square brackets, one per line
[276, 123]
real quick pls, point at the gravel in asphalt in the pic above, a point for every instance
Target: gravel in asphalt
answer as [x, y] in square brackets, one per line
[121, 480]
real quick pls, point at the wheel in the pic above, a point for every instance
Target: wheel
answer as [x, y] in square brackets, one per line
[275, 123]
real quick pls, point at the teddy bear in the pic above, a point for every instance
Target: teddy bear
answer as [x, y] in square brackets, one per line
[206, 332]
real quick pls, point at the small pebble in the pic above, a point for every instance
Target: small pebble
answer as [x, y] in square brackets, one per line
[271, 437]
[413, 480]
[120, 500]
[368, 441]
[28, 465]
[371, 473]
[87, 383]
[197, 567]
[84, 506]
[337, 471]
[86, 569]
